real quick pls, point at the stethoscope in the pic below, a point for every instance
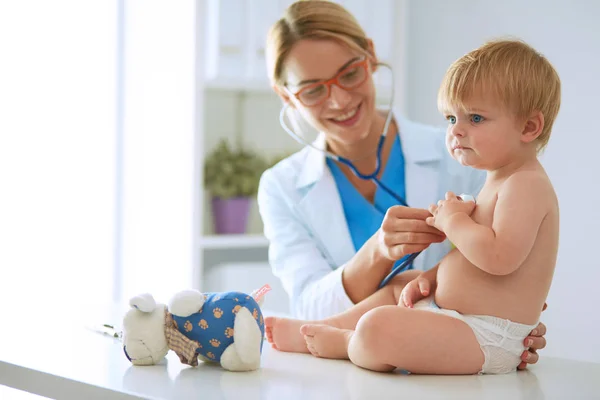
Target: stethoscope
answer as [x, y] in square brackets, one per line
[406, 260]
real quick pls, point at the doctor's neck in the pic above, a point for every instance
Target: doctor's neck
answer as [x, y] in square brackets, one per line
[363, 151]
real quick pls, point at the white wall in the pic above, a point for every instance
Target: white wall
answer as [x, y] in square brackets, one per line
[159, 126]
[57, 141]
[568, 33]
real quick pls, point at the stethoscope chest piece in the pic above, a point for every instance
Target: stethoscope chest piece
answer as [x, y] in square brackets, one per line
[467, 197]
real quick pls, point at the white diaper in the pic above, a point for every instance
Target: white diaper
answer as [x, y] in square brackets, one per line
[501, 340]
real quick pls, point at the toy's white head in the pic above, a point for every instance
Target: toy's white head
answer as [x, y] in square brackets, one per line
[144, 340]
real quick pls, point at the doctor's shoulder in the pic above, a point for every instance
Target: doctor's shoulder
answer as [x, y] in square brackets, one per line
[283, 176]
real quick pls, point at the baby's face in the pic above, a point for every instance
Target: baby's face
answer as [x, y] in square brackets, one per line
[484, 135]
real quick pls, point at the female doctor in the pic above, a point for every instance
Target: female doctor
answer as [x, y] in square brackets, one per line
[334, 236]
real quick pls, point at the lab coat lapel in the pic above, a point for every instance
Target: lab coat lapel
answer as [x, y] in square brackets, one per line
[421, 184]
[321, 207]
[421, 147]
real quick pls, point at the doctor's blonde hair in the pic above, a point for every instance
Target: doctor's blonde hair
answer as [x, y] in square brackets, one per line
[311, 19]
[513, 72]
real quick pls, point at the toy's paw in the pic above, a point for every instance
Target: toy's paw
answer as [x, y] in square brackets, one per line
[203, 324]
[143, 302]
[186, 303]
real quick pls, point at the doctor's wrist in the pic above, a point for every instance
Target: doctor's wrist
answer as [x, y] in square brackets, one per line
[379, 255]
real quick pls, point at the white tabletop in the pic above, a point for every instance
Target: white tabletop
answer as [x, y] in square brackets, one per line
[68, 361]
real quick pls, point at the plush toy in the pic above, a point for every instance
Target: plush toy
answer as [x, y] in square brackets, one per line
[226, 328]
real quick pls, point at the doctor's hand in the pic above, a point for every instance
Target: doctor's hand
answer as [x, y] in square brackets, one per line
[404, 231]
[446, 208]
[534, 342]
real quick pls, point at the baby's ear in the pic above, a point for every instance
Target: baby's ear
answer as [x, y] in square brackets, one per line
[533, 127]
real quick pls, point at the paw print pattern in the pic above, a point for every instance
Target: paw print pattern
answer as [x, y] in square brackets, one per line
[255, 314]
[217, 312]
[236, 309]
[214, 342]
[203, 324]
[228, 332]
[210, 355]
[187, 326]
[247, 297]
[236, 299]
[216, 298]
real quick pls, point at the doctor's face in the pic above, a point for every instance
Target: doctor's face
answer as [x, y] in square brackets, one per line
[343, 109]
[482, 134]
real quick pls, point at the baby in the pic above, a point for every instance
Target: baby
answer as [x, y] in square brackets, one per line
[471, 312]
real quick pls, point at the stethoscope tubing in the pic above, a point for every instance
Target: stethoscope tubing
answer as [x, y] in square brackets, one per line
[372, 176]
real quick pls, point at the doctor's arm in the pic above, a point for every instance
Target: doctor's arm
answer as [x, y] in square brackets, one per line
[402, 232]
[316, 289]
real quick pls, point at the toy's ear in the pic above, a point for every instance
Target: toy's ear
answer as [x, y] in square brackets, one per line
[143, 302]
[144, 339]
[186, 303]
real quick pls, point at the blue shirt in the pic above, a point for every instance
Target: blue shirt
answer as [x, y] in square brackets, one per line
[364, 218]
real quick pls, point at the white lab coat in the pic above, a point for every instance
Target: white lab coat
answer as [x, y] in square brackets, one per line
[303, 216]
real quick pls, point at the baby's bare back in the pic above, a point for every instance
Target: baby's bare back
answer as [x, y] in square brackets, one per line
[518, 296]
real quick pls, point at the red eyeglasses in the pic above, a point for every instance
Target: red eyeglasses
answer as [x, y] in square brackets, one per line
[349, 78]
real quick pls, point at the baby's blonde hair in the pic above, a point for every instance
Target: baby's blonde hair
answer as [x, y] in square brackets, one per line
[311, 19]
[512, 72]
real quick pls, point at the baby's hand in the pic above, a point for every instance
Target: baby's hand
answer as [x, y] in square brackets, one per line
[444, 209]
[414, 291]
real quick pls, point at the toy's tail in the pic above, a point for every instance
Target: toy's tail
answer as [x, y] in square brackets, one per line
[259, 294]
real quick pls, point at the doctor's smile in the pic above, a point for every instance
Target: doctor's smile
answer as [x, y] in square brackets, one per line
[349, 118]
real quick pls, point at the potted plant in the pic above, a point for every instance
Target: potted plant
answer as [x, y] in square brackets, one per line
[231, 176]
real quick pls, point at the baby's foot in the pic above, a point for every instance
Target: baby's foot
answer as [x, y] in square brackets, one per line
[284, 334]
[326, 341]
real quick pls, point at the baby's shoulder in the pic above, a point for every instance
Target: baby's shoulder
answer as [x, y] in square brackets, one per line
[532, 184]
[534, 178]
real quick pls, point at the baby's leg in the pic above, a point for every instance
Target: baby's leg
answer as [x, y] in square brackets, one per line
[419, 341]
[284, 333]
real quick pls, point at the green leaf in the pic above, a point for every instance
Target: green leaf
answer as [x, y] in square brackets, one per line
[232, 172]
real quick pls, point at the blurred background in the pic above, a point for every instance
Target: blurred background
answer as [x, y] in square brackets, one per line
[121, 121]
